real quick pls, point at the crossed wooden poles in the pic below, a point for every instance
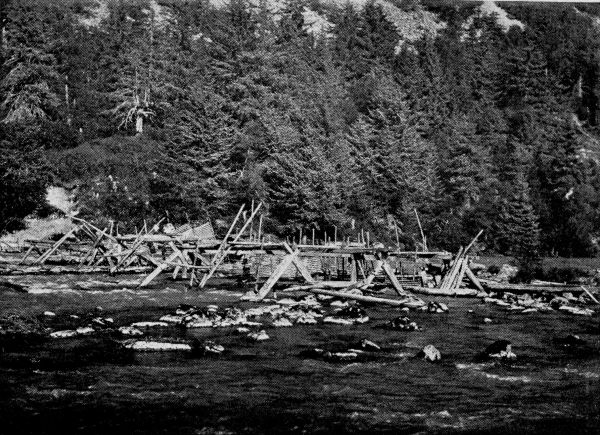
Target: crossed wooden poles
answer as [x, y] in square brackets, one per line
[105, 248]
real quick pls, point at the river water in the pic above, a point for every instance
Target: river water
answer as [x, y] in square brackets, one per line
[81, 385]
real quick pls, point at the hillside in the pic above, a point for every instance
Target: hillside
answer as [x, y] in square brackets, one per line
[336, 114]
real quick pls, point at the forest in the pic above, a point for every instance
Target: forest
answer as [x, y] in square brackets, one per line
[332, 113]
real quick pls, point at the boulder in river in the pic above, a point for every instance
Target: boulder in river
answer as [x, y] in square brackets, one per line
[258, 336]
[430, 353]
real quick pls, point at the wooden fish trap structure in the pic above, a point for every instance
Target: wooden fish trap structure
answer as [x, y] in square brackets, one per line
[194, 253]
[362, 263]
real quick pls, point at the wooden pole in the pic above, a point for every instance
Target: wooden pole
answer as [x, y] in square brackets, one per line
[421, 229]
[472, 242]
[590, 295]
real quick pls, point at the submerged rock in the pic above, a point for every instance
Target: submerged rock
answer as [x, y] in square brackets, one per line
[368, 345]
[430, 353]
[208, 348]
[435, 307]
[403, 323]
[501, 349]
[340, 356]
[348, 316]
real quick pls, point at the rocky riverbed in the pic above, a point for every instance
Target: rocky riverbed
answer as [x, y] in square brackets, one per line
[93, 355]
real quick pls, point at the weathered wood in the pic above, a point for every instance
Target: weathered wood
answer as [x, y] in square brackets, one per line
[529, 288]
[136, 245]
[48, 253]
[276, 275]
[474, 279]
[376, 270]
[300, 265]
[470, 245]
[372, 299]
[392, 277]
[29, 251]
[461, 274]
[158, 270]
[446, 281]
[590, 295]
[218, 259]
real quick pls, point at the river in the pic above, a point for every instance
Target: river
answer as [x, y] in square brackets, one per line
[82, 385]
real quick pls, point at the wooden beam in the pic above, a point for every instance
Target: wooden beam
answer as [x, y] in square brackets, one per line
[42, 259]
[158, 270]
[389, 271]
[218, 259]
[276, 275]
[473, 279]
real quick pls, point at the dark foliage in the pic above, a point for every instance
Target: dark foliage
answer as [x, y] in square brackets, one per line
[191, 110]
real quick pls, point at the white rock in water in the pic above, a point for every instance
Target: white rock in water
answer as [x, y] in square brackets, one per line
[430, 353]
[337, 321]
[282, 322]
[487, 320]
[259, 336]
[49, 314]
[242, 330]
[339, 304]
[64, 334]
[529, 310]
[85, 330]
[150, 325]
[158, 346]
[169, 318]
[128, 330]
[199, 323]
[306, 320]
[575, 310]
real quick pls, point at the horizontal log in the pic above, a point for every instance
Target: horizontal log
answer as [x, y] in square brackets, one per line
[406, 302]
[529, 288]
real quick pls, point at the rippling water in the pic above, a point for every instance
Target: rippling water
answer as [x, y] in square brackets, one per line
[267, 387]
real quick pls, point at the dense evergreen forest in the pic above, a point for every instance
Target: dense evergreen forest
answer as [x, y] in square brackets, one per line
[329, 112]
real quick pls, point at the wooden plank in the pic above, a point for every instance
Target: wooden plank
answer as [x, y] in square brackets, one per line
[276, 275]
[392, 277]
[473, 279]
[461, 274]
[300, 265]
